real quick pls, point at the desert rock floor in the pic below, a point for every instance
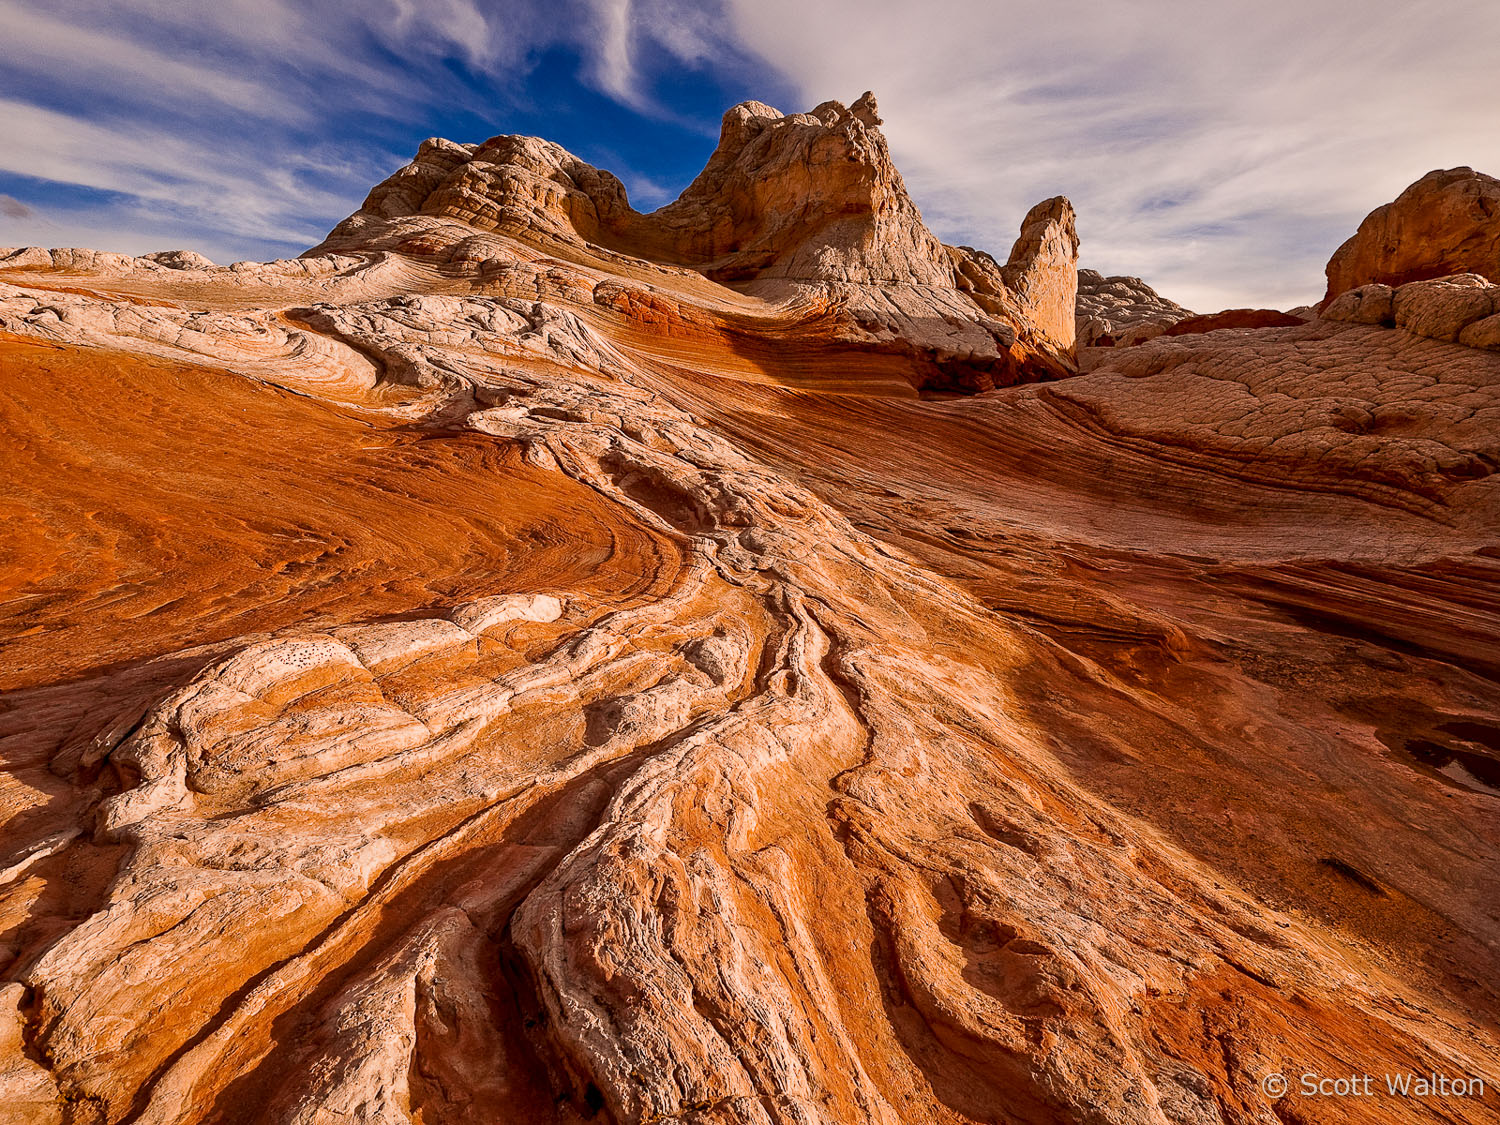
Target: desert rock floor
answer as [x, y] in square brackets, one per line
[598, 695]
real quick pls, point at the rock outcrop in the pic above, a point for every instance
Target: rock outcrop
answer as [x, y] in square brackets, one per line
[1043, 270]
[1448, 222]
[1463, 309]
[180, 260]
[809, 197]
[1233, 318]
[806, 198]
[1365, 304]
[508, 671]
[1427, 262]
[805, 208]
[1120, 310]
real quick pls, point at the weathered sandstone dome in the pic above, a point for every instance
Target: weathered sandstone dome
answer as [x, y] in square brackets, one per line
[1113, 310]
[1427, 263]
[803, 207]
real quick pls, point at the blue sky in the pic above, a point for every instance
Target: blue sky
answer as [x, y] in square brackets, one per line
[1219, 150]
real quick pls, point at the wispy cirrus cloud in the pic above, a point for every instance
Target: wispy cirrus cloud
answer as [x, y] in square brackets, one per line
[237, 193]
[251, 126]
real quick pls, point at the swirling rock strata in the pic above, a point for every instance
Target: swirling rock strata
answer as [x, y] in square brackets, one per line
[497, 683]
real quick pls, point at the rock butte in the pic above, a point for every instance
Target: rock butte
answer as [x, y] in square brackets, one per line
[528, 660]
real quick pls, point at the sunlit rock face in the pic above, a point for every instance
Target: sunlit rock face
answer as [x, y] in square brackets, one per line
[1427, 263]
[531, 661]
[1447, 222]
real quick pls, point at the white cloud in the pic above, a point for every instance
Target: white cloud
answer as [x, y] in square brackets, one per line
[616, 35]
[227, 116]
[235, 192]
[39, 42]
[220, 121]
[1220, 150]
[613, 67]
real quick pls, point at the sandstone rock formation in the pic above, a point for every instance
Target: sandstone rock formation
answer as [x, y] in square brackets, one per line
[1426, 263]
[1043, 270]
[806, 209]
[179, 260]
[808, 197]
[1111, 310]
[529, 661]
[1365, 304]
[1232, 318]
[1447, 222]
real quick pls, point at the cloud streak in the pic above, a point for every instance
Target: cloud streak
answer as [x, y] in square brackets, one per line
[254, 125]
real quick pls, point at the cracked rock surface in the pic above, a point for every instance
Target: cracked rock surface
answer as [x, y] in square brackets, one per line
[1120, 310]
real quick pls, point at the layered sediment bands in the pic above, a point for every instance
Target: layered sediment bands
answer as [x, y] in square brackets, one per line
[147, 509]
[536, 692]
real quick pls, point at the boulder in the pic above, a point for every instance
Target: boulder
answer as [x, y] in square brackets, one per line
[1442, 308]
[1463, 308]
[1365, 304]
[1447, 222]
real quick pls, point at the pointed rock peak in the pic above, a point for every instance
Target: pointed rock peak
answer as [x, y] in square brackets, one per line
[1049, 235]
[804, 197]
[866, 111]
[1035, 291]
[1043, 269]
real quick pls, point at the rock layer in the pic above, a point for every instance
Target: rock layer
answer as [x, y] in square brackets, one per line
[488, 674]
